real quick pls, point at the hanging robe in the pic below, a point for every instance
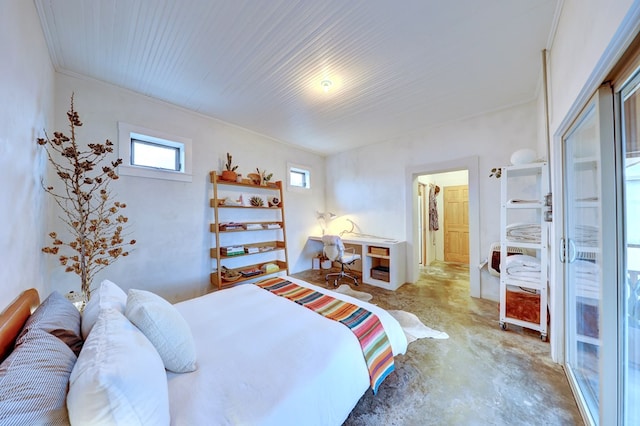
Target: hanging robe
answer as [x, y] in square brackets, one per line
[433, 210]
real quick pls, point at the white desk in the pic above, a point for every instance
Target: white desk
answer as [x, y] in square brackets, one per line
[366, 247]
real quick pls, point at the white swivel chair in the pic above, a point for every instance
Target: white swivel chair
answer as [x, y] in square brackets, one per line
[335, 251]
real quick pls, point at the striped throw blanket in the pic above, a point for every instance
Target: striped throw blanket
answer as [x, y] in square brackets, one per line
[364, 324]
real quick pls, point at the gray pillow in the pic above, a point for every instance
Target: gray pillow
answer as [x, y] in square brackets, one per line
[56, 312]
[34, 380]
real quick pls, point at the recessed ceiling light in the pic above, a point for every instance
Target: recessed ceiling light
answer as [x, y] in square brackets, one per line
[326, 85]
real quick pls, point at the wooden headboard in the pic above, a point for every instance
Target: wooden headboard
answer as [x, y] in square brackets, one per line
[13, 318]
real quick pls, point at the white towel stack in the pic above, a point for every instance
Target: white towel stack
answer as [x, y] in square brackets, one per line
[523, 267]
[524, 232]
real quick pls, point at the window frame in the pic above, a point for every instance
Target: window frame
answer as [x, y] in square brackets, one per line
[178, 154]
[297, 168]
[127, 132]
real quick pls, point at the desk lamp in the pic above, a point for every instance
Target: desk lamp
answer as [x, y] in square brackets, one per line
[326, 217]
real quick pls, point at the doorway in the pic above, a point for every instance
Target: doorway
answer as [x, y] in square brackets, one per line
[443, 225]
[413, 236]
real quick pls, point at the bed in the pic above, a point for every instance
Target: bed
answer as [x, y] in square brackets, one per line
[244, 356]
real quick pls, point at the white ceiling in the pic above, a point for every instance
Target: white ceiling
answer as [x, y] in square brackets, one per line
[396, 66]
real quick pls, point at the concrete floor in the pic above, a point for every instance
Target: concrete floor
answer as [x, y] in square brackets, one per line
[481, 375]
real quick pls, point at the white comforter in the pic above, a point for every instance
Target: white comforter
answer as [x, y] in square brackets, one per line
[263, 360]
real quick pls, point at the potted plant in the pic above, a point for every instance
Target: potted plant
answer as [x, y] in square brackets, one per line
[229, 173]
[264, 177]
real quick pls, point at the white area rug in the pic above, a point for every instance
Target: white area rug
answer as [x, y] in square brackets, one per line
[361, 295]
[414, 329]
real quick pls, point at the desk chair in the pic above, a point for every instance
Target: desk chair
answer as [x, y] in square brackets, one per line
[335, 251]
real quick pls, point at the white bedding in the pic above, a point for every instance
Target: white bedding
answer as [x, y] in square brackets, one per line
[263, 360]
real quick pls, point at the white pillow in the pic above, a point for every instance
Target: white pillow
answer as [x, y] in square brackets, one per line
[108, 295]
[118, 378]
[163, 325]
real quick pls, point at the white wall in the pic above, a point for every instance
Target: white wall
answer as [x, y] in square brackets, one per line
[170, 220]
[590, 38]
[369, 185]
[585, 29]
[26, 84]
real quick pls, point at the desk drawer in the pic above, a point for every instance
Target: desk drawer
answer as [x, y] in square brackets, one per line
[379, 251]
[380, 273]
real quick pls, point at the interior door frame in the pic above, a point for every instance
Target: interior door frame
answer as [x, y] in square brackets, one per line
[411, 178]
[422, 219]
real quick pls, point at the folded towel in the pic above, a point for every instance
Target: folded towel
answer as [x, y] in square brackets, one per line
[524, 232]
[515, 270]
[523, 260]
[533, 279]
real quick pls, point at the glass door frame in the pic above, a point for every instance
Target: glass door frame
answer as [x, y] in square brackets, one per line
[610, 217]
[628, 85]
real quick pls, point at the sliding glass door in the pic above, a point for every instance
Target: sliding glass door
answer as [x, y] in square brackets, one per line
[580, 249]
[588, 251]
[630, 330]
[600, 251]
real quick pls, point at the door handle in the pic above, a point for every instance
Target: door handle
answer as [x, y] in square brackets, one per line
[568, 252]
[571, 251]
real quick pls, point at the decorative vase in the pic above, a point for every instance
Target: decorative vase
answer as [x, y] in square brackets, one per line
[228, 175]
[274, 201]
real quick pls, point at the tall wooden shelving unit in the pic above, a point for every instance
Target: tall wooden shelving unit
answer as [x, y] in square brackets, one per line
[261, 227]
[523, 190]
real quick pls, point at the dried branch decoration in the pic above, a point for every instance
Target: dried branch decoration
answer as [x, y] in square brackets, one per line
[496, 171]
[93, 219]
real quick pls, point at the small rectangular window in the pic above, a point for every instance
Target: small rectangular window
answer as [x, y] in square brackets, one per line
[153, 154]
[299, 177]
[156, 155]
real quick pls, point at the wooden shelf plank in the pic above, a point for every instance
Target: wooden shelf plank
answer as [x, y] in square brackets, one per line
[378, 256]
[214, 275]
[279, 246]
[213, 227]
[215, 178]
